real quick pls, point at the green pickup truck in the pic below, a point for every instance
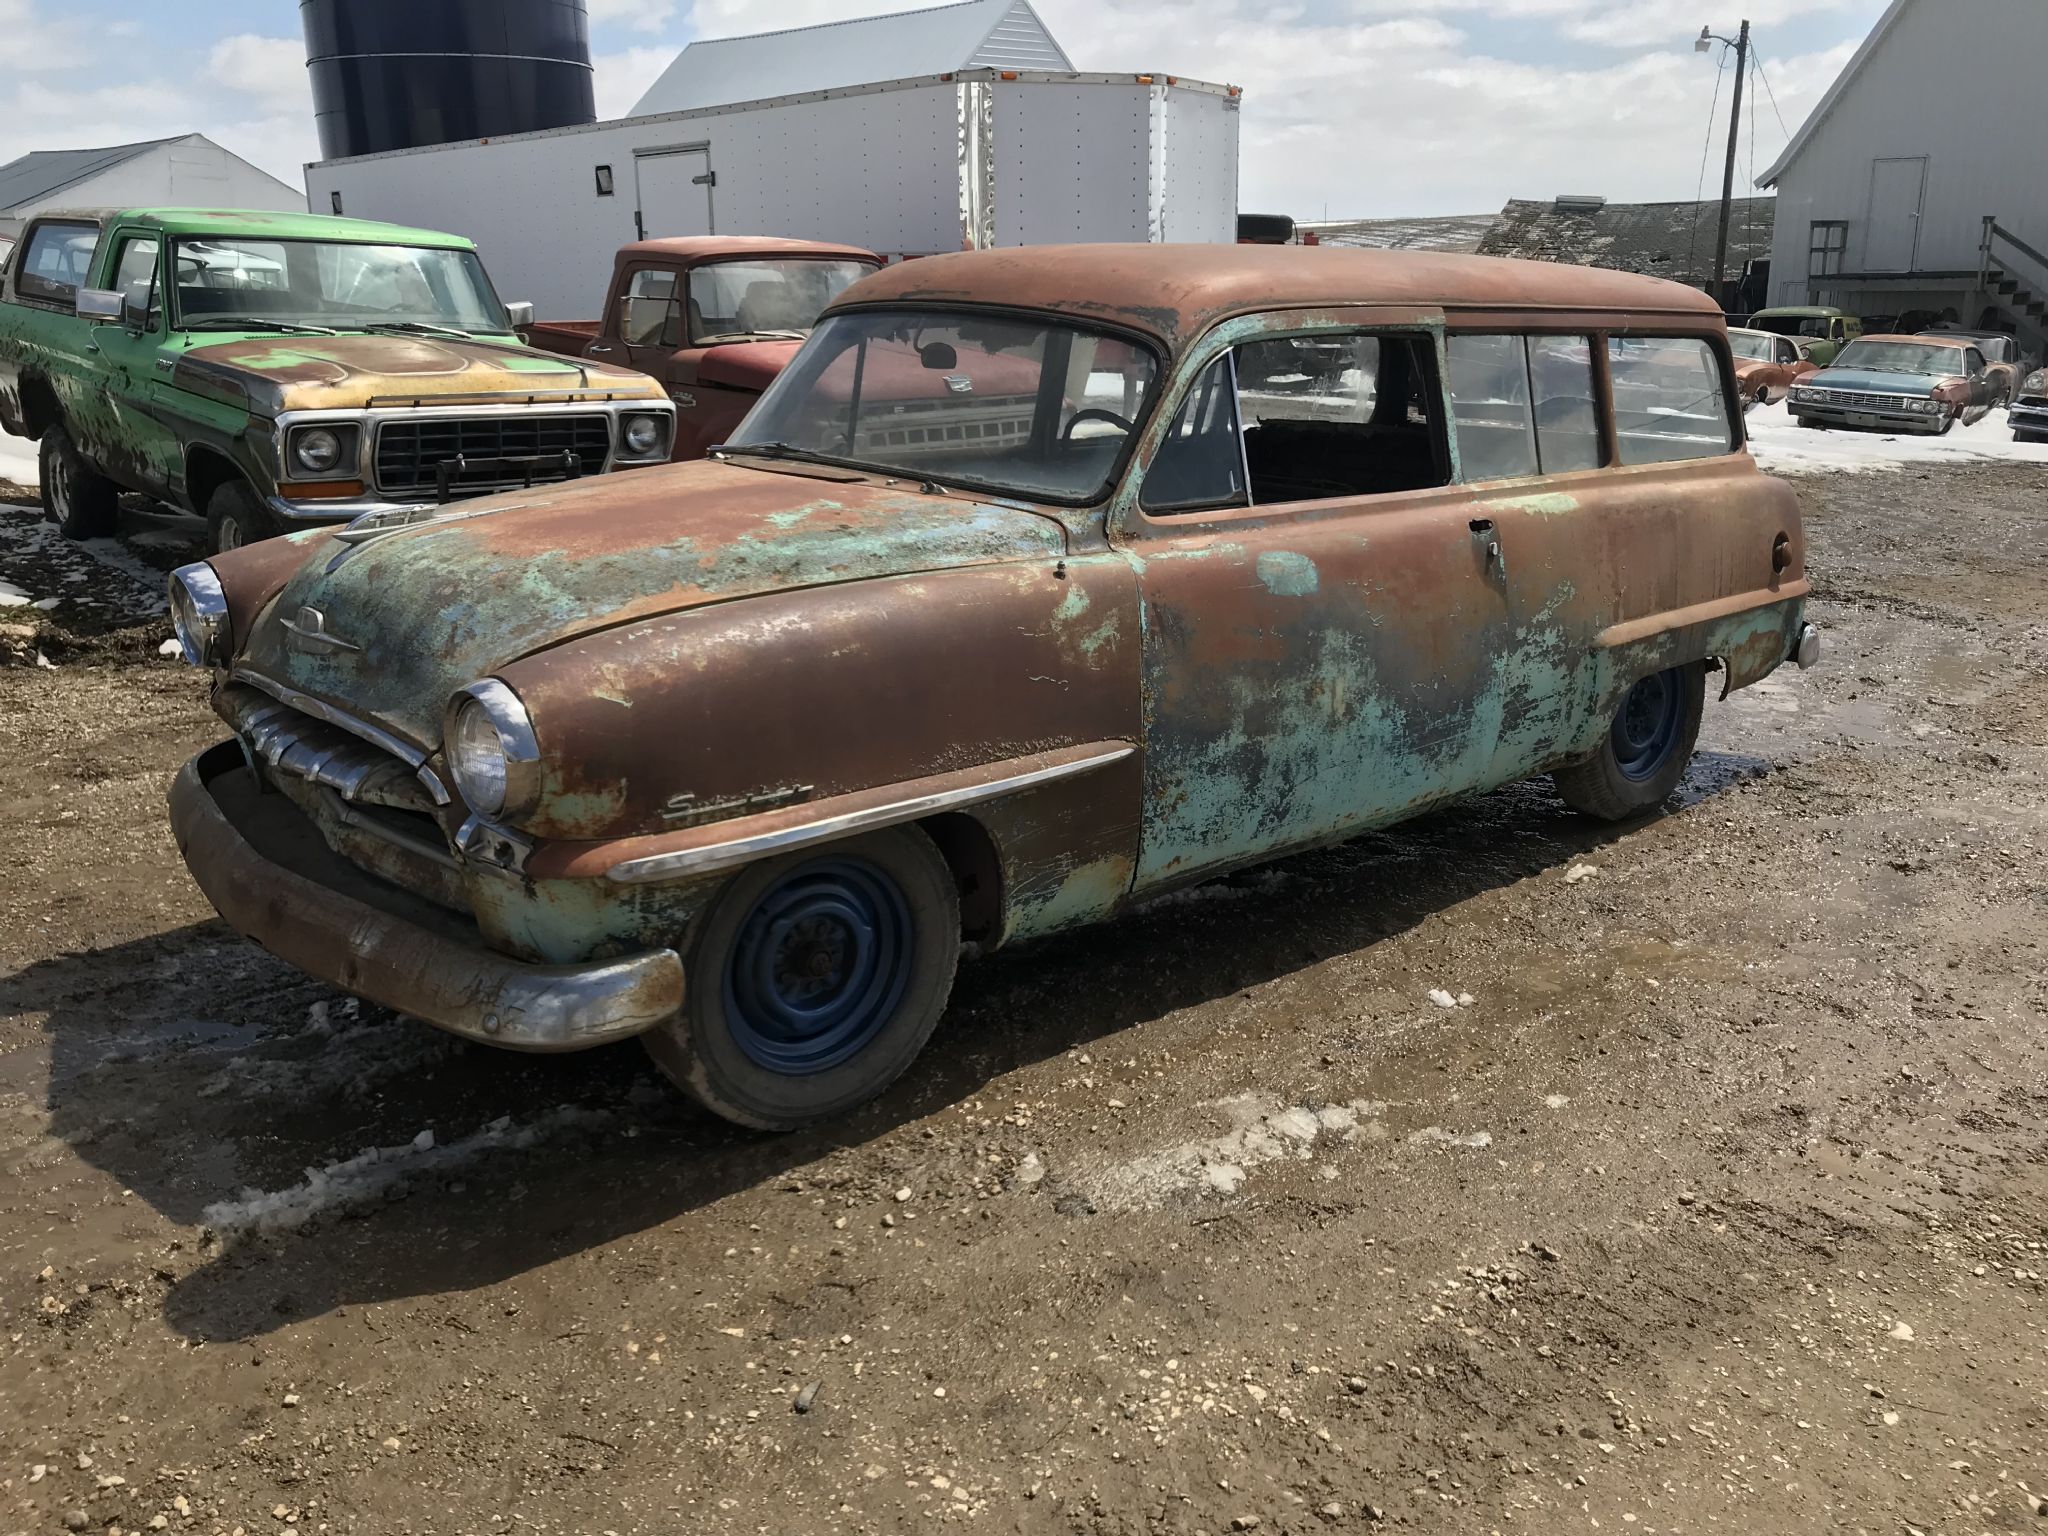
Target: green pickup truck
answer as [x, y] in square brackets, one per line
[271, 371]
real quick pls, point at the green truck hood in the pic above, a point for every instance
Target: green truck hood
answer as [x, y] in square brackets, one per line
[440, 605]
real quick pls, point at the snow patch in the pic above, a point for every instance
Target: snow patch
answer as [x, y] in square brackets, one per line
[1438, 1135]
[1782, 446]
[1262, 1130]
[381, 1173]
[18, 462]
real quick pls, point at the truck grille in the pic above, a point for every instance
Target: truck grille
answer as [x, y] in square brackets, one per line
[1855, 400]
[410, 453]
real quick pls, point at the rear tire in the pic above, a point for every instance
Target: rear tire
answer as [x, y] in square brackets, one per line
[814, 980]
[235, 516]
[81, 502]
[1645, 751]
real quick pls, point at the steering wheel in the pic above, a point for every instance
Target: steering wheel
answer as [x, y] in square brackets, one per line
[1097, 413]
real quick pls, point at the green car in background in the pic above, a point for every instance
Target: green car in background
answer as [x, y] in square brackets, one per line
[273, 371]
[1820, 331]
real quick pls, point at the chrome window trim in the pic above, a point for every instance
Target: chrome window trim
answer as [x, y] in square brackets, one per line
[715, 857]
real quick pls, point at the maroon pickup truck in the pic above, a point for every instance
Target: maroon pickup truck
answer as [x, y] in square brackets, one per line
[714, 317]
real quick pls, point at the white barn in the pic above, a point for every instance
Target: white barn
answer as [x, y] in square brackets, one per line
[970, 34]
[1915, 184]
[187, 171]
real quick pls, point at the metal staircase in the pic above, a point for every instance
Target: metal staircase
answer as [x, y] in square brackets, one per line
[2017, 273]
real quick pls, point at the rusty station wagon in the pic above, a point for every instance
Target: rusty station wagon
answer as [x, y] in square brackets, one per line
[1040, 582]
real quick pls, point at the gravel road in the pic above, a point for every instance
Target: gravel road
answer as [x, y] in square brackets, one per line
[1717, 1199]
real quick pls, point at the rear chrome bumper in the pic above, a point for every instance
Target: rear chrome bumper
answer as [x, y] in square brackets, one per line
[1806, 649]
[431, 971]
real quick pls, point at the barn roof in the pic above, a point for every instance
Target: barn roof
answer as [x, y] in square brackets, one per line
[41, 173]
[973, 34]
[1674, 240]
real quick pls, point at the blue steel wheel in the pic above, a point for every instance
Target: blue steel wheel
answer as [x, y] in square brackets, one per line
[1646, 749]
[819, 965]
[812, 981]
[1647, 727]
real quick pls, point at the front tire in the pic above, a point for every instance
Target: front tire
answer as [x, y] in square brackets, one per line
[814, 980]
[235, 516]
[1646, 750]
[83, 504]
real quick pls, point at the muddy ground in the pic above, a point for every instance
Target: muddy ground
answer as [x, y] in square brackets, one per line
[1723, 1204]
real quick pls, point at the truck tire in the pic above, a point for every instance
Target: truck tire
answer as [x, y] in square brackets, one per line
[235, 516]
[81, 502]
[814, 981]
[1645, 751]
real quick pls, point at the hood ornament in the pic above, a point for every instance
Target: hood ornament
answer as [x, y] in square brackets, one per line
[309, 634]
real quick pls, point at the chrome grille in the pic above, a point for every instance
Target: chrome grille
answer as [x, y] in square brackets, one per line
[295, 743]
[410, 453]
[1855, 400]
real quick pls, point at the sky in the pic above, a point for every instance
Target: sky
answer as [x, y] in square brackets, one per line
[1352, 108]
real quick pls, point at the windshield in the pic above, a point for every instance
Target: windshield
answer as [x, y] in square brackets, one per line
[1791, 325]
[1901, 357]
[1758, 348]
[1025, 407]
[746, 298]
[321, 285]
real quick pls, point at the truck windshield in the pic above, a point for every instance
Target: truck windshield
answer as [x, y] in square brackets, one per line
[1022, 407]
[738, 300]
[331, 285]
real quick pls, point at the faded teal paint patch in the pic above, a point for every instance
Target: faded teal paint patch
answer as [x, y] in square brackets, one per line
[1103, 634]
[798, 515]
[1287, 574]
[1072, 606]
[1085, 894]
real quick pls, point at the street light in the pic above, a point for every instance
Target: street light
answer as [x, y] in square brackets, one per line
[1702, 44]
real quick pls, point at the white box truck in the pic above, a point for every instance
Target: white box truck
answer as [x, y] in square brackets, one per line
[905, 168]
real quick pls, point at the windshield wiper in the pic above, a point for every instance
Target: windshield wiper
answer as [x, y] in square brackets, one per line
[784, 335]
[253, 323]
[785, 451]
[420, 328]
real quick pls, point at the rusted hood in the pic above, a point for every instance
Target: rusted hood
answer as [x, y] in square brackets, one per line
[438, 606]
[296, 373]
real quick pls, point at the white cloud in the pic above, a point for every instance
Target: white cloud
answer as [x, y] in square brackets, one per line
[271, 69]
[621, 79]
[640, 15]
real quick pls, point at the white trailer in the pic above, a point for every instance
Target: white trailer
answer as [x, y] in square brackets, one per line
[907, 168]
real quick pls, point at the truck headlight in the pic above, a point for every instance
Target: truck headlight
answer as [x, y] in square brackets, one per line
[491, 750]
[318, 450]
[199, 614]
[644, 435]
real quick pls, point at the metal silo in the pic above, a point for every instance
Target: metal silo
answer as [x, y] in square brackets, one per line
[394, 74]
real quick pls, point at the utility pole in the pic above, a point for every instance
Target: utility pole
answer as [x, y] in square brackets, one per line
[1728, 177]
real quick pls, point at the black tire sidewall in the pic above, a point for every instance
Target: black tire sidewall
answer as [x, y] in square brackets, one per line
[697, 1051]
[235, 499]
[95, 504]
[1598, 787]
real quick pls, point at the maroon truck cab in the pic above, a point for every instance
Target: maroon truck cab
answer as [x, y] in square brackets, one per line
[714, 317]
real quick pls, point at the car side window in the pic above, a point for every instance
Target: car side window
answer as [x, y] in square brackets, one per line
[1199, 465]
[56, 261]
[1341, 414]
[1976, 362]
[1669, 399]
[1490, 412]
[135, 275]
[1787, 353]
[1567, 408]
[650, 314]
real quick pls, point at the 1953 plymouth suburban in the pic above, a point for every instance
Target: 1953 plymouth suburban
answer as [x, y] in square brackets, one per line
[1040, 582]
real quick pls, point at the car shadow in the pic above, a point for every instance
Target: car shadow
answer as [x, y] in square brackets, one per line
[228, 1091]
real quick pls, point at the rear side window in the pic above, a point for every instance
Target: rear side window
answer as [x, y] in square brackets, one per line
[1669, 400]
[1523, 405]
[56, 261]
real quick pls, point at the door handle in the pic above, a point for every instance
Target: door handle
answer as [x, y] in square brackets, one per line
[1483, 531]
[166, 364]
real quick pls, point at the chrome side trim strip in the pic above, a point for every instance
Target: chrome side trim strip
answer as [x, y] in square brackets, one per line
[306, 704]
[714, 857]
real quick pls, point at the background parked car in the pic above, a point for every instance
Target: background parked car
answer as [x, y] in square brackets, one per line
[1825, 331]
[2005, 363]
[714, 317]
[1766, 364]
[2029, 413]
[1899, 384]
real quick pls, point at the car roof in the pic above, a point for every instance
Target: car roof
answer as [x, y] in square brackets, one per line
[1957, 343]
[1803, 311]
[1175, 292]
[261, 223]
[691, 250]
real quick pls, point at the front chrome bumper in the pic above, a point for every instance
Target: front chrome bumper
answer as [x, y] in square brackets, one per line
[436, 972]
[1883, 419]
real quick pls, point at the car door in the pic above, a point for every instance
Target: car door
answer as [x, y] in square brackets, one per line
[136, 438]
[1982, 386]
[1324, 621]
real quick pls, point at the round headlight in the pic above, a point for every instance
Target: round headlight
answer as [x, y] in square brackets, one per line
[199, 614]
[2036, 383]
[492, 751]
[316, 450]
[643, 434]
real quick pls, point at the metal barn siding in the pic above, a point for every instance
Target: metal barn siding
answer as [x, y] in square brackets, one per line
[1924, 123]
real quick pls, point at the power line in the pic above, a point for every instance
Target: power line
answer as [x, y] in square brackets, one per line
[1692, 244]
[1758, 60]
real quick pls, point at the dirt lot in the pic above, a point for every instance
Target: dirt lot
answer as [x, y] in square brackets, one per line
[1723, 1205]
